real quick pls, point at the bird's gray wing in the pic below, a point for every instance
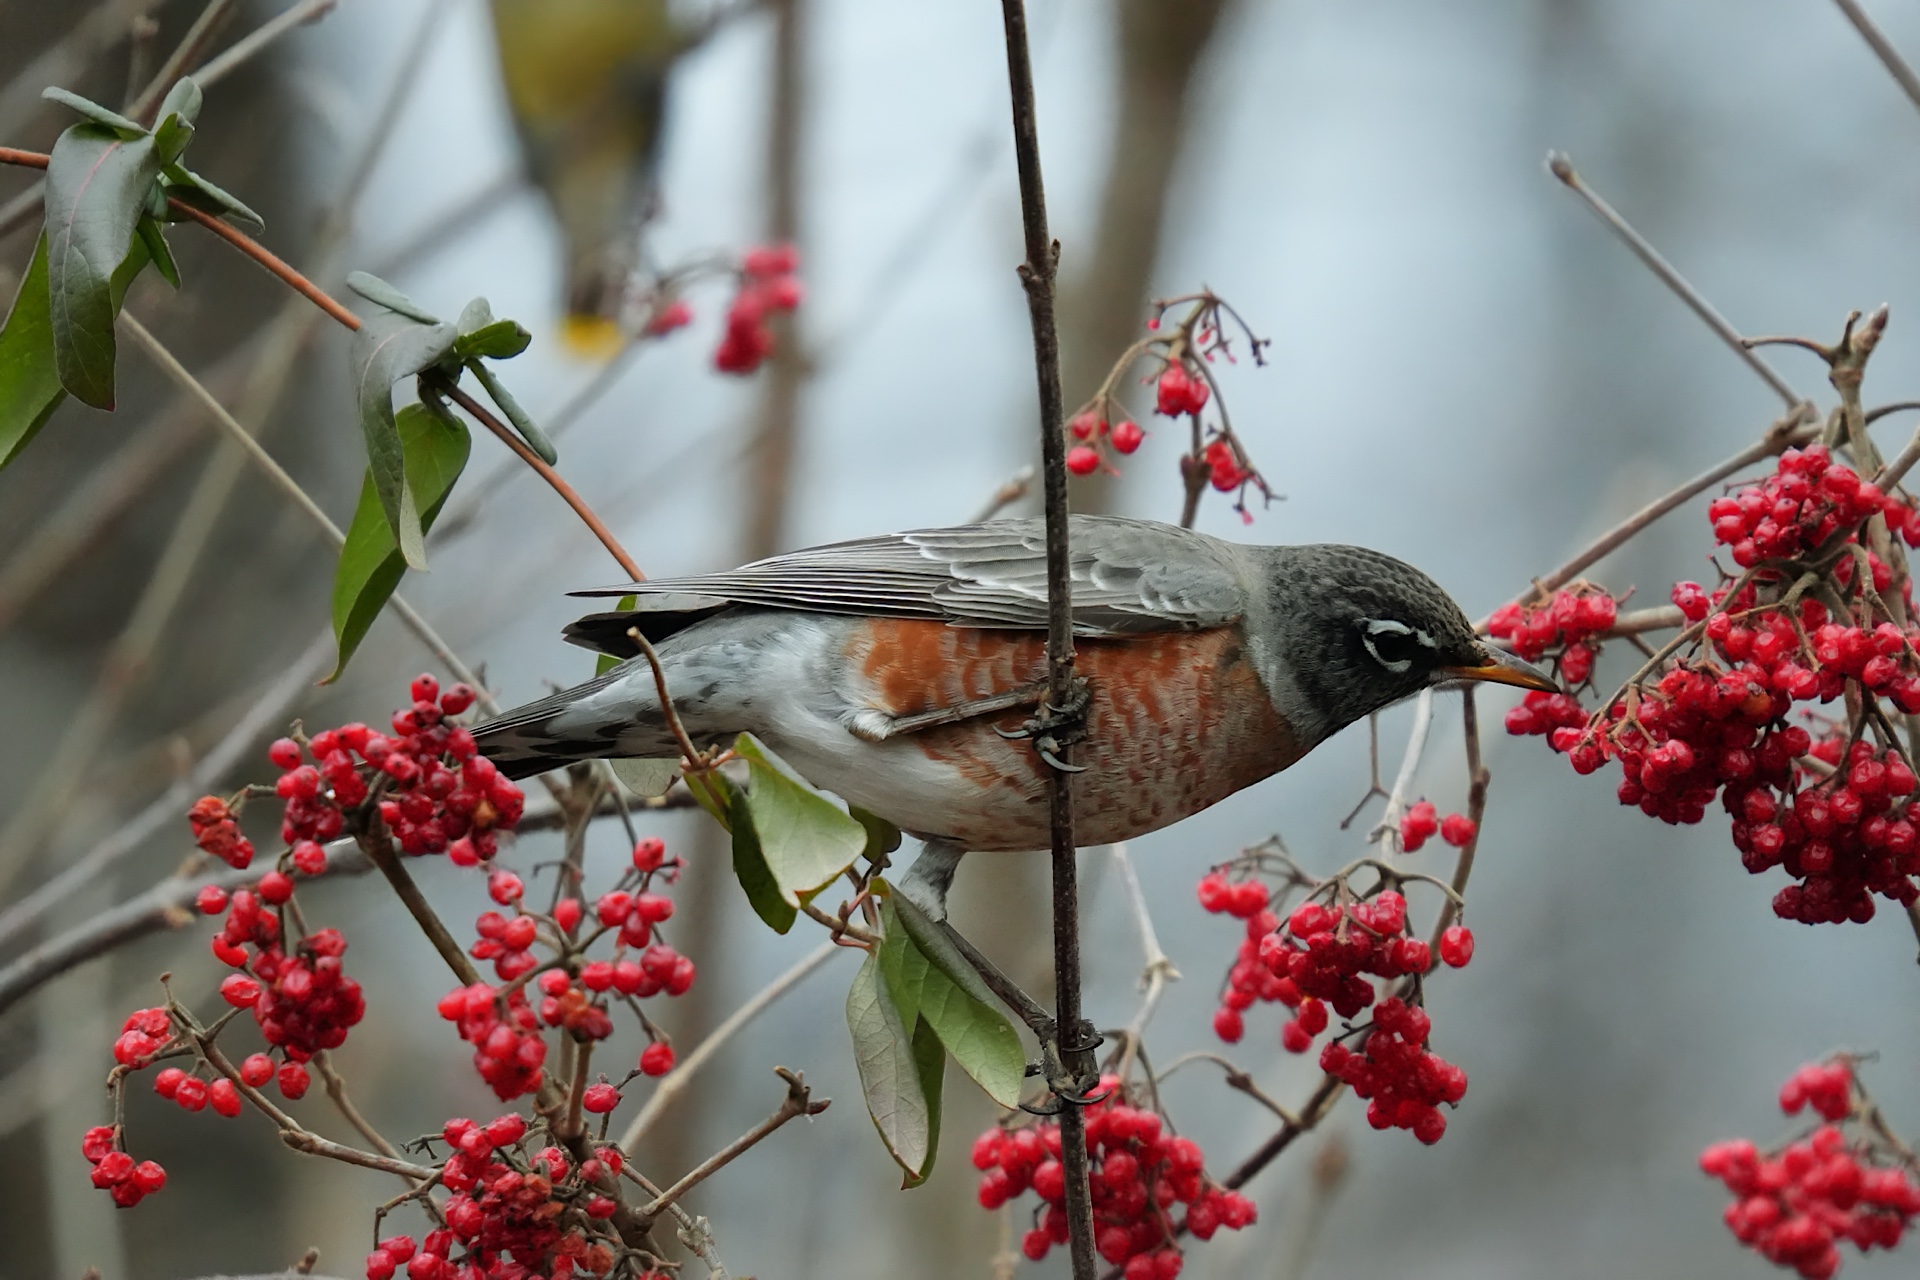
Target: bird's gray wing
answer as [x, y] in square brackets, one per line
[1129, 576]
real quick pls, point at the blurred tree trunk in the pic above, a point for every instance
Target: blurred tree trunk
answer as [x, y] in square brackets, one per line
[242, 575]
[1161, 48]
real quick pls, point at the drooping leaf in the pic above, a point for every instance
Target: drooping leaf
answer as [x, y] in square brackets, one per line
[978, 1035]
[382, 294]
[183, 100]
[30, 387]
[93, 111]
[890, 1070]
[806, 839]
[882, 836]
[930, 1063]
[389, 346]
[97, 187]
[606, 661]
[750, 866]
[648, 779]
[154, 238]
[522, 422]
[435, 446]
[209, 197]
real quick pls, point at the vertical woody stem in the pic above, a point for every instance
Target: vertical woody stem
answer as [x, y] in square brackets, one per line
[1037, 275]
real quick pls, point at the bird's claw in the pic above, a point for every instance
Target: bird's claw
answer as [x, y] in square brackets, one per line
[1053, 728]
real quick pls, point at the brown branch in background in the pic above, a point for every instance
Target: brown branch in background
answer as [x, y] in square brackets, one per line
[1562, 168]
[377, 845]
[798, 1102]
[184, 55]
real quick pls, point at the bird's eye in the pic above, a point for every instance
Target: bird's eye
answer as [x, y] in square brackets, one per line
[1394, 645]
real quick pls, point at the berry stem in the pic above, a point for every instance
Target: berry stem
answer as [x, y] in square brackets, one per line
[371, 835]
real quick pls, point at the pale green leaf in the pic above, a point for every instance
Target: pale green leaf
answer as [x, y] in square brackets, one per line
[890, 1070]
[807, 840]
[978, 1035]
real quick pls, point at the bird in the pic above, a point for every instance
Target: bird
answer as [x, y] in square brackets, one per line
[891, 671]
[586, 83]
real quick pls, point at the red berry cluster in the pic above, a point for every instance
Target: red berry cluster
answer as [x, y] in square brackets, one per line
[1807, 500]
[114, 1170]
[508, 1050]
[767, 285]
[302, 999]
[1180, 390]
[215, 830]
[510, 1217]
[1422, 822]
[1138, 1173]
[1092, 431]
[1403, 1081]
[1569, 620]
[1716, 726]
[1796, 1205]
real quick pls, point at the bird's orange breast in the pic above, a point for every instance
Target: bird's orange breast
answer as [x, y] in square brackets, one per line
[1177, 721]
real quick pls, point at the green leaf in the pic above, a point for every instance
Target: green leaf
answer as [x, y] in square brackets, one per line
[30, 387]
[891, 1077]
[155, 241]
[523, 423]
[712, 792]
[930, 1064]
[178, 110]
[382, 294]
[499, 340]
[390, 346]
[435, 445]
[805, 838]
[97, 185]
[750, 865]
[606, 661]
[978, 1035]
[882, 836]
[649, 779]
[206, 196]
[95, 112]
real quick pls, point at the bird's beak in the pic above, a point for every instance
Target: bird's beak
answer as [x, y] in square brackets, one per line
[1501, 667]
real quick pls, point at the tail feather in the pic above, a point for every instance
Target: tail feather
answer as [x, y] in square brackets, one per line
[613, 715]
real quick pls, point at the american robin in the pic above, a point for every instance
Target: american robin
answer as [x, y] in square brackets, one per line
[890, 671]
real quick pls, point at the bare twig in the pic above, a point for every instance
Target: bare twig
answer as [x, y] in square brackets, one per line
[1562, 168]
[1409, 767]
[798, 1102]
[674, 1082]
[184, 55]
[1157, 968]
[1014, 488]
[694, 1231]
[1883, 49]
[249, 46]
[1037, 273]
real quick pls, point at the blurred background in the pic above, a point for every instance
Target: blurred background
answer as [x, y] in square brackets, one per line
[1466, 371]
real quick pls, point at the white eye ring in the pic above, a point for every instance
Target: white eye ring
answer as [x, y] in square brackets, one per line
[1387, 626]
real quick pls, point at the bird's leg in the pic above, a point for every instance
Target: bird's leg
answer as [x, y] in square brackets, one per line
[1054, 727]
[869, 724]
[930, 876]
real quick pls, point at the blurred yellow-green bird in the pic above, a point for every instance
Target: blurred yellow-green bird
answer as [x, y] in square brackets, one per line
[586, 81]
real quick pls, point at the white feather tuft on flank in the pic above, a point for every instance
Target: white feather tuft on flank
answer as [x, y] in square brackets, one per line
[648, 779]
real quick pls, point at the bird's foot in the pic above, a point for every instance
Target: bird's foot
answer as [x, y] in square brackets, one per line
[1067, 1066]
[1053, 728]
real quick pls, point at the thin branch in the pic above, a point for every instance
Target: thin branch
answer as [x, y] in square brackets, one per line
[249, 46]
[1562, 168]
[1409, 767]
[184, 55]
[1011, 490]
[377, 845]
[675, 1082]
[1037, 273]
[798, 1102]
[1157, 968]
[171, 366]
[271, 261]
[547, 473]
[1786, 432]
[694, 1231]
[1883, 49]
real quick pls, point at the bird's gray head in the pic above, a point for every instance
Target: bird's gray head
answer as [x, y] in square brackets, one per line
[1364, 630]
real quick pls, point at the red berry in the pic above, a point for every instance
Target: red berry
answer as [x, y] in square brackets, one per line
[211, 900]
[600, 1098]
[649, 853]
[1457, 829]
[1127, 436]
[224, 1097]
[1083, 460]
[256, 1069]
[294, 1081]
[285, 754]
[276, 887]
[1228, 1024]
[1456, 946]
[656, 1059]
[240, 991]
